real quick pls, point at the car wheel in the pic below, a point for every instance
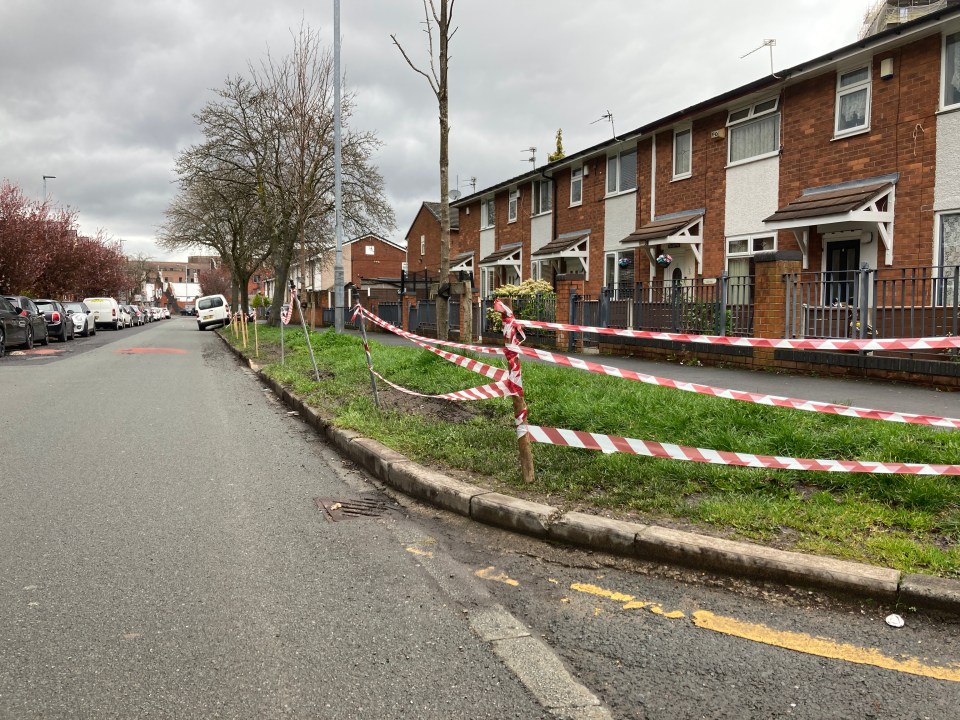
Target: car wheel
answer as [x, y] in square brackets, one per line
[63, 333]
[45, 340]
[92, 330]
[29, 343]
[116, 325]
[3, 342]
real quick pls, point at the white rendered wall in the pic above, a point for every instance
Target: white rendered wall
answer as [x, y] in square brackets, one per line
[752, 195]
[619, 219]
[946, 194]
[541, 231]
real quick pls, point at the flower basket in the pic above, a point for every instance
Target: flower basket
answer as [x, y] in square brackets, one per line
[625, 262]
[664, 260]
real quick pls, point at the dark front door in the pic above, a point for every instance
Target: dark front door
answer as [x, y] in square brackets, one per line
[843, 261]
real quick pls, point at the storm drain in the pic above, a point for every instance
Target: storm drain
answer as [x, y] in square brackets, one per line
[337, 509]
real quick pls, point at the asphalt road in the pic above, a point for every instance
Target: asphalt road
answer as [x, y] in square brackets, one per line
[162, 556]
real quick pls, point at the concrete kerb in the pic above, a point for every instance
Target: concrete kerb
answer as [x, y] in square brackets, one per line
[645, 542]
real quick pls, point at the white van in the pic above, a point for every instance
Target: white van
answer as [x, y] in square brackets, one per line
[212, 310]
[106, 312]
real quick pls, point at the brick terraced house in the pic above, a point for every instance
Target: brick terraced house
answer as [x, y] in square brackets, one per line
[846, 167]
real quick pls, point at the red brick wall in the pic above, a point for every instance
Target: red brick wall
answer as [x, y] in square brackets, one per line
[385, 262]
[426, 224]
[902, 138]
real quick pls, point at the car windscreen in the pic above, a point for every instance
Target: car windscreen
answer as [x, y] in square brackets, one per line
[76, 307]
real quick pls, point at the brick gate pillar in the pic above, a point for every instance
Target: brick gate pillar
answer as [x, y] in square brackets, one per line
[770, 297]
[567, 286]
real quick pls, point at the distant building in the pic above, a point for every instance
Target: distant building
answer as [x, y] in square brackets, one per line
[886, 14]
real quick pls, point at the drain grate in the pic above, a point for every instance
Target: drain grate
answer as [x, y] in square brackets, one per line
[337, 509]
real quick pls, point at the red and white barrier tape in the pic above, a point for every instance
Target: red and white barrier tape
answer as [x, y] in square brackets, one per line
[616, 444]
[360, 310]
[743, 396]
[924, 343]
[756, 398]
[482, 392]
[512, 351]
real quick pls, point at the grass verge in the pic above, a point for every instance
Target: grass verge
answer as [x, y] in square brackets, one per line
[911, 523]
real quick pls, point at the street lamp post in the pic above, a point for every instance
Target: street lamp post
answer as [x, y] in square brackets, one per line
[45, 178]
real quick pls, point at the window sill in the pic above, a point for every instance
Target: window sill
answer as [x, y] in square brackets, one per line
[487, 227]
[685, 176]
[510, 222]
[851, 133]
[541, 214]
[757, 158]
[619, 193]
[948, 110]
[576, 204]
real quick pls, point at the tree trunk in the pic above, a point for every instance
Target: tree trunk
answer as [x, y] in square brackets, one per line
[443, 307]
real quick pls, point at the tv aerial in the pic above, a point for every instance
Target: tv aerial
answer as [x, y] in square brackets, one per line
[607, 116]
[768, 43]
[533, 155]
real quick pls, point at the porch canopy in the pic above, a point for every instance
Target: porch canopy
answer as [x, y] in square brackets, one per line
[683, 228]
[507, 256]
[572, 245]
[462, 262]
[864, 202]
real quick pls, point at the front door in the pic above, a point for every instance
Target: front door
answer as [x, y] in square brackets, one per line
[843, 261]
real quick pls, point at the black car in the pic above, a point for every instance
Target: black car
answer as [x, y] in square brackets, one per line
[36, 326]
[13, 327]
[59, 324]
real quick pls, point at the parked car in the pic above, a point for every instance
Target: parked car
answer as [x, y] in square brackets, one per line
[106, 312]
[82, 318]
[212, 310]
[136, 318]
[37, 325]
[124, 314]
[59, 325]
[166, 313]
[14, 328]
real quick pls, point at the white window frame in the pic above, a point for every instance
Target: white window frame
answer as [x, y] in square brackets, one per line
[853, 88]
[684, 131]
[748, 115]
[616, 184]
[488, 213]
[512, 205]
[576, 181]
[753, 246]
[948, 77]
[616, 255]
[423, 244]
[946, 284]
[369, 249]
[542, 194]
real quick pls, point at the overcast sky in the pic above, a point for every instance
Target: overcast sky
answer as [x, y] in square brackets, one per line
[101, 93]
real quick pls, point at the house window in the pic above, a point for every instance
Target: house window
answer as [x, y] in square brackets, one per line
[618, 273]
[622, 172]
[576, 186]
[368, 249]
[487, 213]
[423, 245]
[740, 252]
[951, 70]
[853, 101]
[542, 196]
[682, 152]
[754, 131]
[512, 206]
[486, 281]
[948, 258]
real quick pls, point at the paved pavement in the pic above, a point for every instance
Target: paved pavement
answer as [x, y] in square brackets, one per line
[664, 544]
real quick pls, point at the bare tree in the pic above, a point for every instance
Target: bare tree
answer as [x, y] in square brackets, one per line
[271, 137]
[437, 79]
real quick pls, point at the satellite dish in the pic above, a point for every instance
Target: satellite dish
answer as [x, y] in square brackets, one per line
[454, 194]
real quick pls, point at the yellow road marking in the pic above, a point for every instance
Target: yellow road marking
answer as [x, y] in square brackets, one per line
[418, 551]
[823, 647]
[488, 574]
[629, 601]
